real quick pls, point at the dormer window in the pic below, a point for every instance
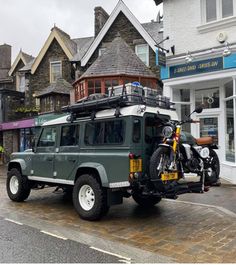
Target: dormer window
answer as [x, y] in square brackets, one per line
[55, 71]
[142, 51]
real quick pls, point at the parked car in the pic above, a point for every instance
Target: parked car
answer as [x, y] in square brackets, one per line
[100, 151]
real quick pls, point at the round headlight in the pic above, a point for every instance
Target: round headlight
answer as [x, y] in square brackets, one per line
[205, 152]
[167, 131]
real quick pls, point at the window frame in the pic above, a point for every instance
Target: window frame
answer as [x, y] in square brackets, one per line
[219, 12]
[147, 52]
[51, 73]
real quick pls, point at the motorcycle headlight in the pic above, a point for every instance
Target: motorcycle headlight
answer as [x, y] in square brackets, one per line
[167, 131]
[205, 152]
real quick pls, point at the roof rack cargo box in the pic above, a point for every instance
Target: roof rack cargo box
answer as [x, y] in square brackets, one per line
[127, 89]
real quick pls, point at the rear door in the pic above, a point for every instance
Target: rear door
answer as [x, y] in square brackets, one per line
[67, 156]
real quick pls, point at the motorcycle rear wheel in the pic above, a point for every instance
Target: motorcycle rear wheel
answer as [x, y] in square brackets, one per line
[212, 176]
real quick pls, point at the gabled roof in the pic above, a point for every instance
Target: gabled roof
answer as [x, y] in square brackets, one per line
[24, 57]
[61, 86]
[118, 59]
[120, 7]
[67, 45]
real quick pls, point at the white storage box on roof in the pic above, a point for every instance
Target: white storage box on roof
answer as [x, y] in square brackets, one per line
[149, 92]
[129, 89]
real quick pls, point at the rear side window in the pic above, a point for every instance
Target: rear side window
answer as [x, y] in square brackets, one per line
[48, 137]
[104, 132]
[69, 135]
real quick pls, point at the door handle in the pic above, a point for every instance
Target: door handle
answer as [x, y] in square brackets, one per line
[49, 159]
[72, 159]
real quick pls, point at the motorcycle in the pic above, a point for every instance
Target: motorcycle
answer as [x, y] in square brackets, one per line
[172, 159]
[211, 163]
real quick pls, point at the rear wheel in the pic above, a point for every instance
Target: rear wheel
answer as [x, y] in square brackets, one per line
[89, 198]
[212, 176]
[145, 201]
[18, 188]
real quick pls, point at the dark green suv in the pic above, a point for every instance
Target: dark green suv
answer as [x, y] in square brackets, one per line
[100, 154]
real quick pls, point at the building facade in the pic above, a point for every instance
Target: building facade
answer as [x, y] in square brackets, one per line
[201, 70]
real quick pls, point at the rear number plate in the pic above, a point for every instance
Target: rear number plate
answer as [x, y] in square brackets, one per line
[135, 165]
[169, 176]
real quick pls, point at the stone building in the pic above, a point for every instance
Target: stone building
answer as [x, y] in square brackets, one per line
[141, 39]
[45, 82]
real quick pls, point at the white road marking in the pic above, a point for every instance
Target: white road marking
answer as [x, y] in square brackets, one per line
[13, 221]
[125, 261]
[113, 254]
[51, 234]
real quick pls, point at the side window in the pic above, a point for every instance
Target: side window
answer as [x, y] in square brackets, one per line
[48, 137]
[136, 131]
[69, 135]
[110, 132]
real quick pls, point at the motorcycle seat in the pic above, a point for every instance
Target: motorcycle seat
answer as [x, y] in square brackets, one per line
[204, 140]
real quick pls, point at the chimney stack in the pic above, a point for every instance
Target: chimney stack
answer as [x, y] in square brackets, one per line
[100, 18]
[5, 60]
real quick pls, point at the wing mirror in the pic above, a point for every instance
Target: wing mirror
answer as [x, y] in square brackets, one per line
[198, 109]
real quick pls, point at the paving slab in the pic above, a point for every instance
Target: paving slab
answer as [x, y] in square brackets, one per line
[181, 231]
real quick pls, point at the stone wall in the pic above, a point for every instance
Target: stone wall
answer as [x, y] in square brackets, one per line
[10, 143]
[41, 78]
[130, 35]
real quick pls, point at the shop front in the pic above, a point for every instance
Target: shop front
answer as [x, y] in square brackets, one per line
[17, 136]
[211, 83]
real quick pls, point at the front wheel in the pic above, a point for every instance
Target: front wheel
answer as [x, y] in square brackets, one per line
[89, 198]
[159, 162]
[18, 188]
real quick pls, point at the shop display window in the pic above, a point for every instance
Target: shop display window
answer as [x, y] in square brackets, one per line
[208, 98]
[229, 136]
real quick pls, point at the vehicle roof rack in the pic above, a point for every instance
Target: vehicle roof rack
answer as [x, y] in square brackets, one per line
[89, 107]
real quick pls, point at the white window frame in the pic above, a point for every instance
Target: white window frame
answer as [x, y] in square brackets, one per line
[51, 63]
[19, 77]
[220, 21]
[147, 52]
[218, 11]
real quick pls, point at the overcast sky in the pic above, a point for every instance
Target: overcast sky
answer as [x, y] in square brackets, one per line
[26, 24]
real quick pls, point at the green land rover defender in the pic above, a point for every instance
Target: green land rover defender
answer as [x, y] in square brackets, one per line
[100, 152]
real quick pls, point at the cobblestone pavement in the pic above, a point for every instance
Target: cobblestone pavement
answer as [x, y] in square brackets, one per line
[182, 231]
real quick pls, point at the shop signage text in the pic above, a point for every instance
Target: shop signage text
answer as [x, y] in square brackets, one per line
[199, 67]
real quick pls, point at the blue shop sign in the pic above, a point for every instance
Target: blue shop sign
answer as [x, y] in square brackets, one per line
[208, 65]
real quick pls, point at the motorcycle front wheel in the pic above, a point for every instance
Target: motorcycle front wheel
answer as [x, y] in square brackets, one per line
[159, 162]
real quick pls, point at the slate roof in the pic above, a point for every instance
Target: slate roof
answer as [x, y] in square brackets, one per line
[82, 46]
[61, 86]
[119, 58]
[153, 29]
[27, 57]
[70, 44]
[28, 66]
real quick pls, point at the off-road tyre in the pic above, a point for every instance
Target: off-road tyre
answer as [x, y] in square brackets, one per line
[145, 201]
[155, 160]
[18, 186]
[214, 179]
[95, 206]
